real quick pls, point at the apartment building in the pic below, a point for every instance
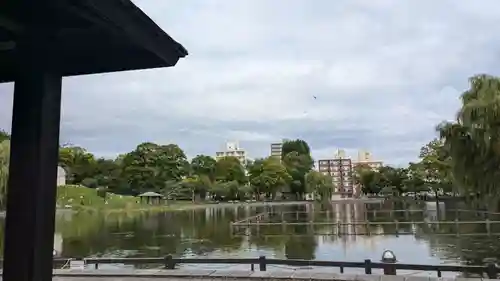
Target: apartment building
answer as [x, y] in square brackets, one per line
[276, 149]
[365, 158]
[340, 169]
[233, 149]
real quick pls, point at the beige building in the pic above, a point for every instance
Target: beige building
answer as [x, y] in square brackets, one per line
[366, 158]
[233, 149]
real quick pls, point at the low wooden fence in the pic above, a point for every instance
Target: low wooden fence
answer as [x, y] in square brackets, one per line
[490, 271]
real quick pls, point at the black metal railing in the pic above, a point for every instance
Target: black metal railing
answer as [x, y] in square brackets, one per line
[169, 262]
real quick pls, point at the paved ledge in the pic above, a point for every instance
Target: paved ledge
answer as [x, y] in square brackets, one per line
[190, 274]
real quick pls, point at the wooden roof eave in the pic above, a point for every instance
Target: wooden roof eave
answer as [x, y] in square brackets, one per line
[123, 17]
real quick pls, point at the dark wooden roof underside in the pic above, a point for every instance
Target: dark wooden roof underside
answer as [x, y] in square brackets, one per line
[93, 36]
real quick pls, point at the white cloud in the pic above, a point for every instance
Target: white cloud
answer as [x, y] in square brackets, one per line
[384, 74]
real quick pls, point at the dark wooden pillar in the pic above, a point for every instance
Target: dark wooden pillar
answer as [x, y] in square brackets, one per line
[31, 194]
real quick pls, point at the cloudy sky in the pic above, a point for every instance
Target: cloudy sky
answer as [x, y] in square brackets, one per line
[384, 73]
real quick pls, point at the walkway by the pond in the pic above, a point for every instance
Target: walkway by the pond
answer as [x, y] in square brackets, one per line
[194, 274]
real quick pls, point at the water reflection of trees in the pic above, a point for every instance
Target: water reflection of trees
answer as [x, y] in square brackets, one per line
[206, 232]
[465, 243]
[196, 231]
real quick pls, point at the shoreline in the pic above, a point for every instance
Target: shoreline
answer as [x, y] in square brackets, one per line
[196, 206]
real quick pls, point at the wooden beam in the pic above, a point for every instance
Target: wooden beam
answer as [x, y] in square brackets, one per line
[7, 46]
[30, 220]
[10, 25]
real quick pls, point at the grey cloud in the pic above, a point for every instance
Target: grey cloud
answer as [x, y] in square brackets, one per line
[384, 73]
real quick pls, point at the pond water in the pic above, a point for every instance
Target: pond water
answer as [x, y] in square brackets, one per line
[311, 232]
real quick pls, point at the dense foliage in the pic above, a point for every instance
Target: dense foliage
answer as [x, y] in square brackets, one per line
[463, 160]
[296, 157]
[165, 169]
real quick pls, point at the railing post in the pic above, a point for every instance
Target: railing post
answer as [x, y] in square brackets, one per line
[389, 269]
[262, 263]
[368, 266]
[491, 271]
[169, 262]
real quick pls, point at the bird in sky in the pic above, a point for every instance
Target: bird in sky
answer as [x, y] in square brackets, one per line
[314, 97]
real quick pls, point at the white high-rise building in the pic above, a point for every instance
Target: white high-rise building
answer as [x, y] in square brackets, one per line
[340, 154]
[233, 149]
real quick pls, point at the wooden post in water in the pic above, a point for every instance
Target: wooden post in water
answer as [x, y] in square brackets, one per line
[338, 228]
[488, 226]
[258, 227]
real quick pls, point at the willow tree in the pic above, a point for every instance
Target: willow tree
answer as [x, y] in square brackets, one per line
[4, 169]
[473, 141]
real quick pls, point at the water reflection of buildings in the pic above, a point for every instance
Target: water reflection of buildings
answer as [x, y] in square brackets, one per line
[434, 212]
[349, 214]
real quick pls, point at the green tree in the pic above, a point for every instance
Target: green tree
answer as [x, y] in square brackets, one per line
[78, 163]
[299, 146]
[435, 167]
[297, 166]
[414, 181]
[4, 169]
[4, 136]
[150, 165]
[320, 185]
[204, 165]
[106, 172]
[473, 142]
[228, 169]
[394, 178]
[196, 185]
[268, 176]
[369, 181]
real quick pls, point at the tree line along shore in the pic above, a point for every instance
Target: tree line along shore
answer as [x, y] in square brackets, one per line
[463, 159]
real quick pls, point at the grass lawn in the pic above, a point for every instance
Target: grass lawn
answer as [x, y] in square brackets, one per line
[82, 198]
[75, 197]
